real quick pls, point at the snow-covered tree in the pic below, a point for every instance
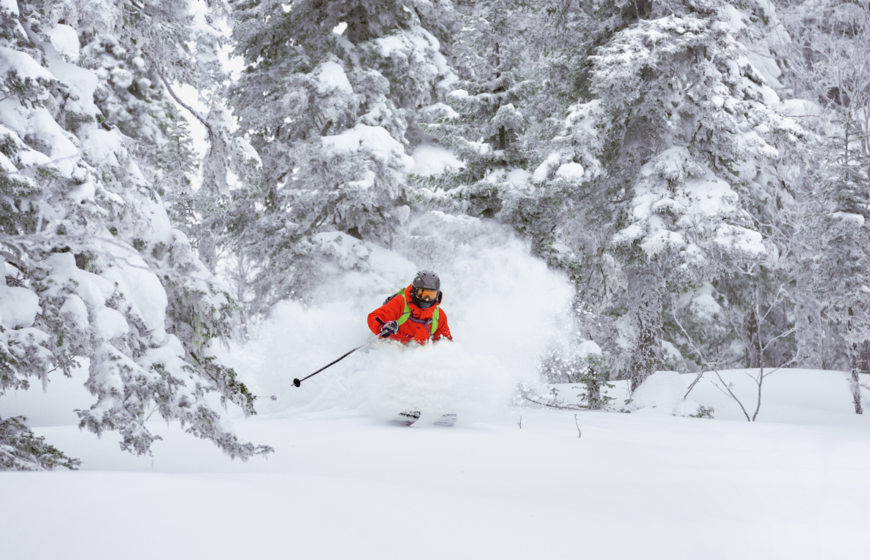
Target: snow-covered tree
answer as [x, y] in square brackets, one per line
[827, 54]
[500, 118]
[142, 58]
[827, 49]
[329, 99]
[484, 122]
[839, 270]
[834, 236]
[93, 268]
[678, 149]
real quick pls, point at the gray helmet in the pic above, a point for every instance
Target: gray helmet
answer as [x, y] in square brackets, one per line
[426, 280]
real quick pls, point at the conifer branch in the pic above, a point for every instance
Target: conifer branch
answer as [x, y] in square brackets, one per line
[175, 97]
[41, 165]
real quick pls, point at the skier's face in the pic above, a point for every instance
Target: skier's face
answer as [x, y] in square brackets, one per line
[426, 295]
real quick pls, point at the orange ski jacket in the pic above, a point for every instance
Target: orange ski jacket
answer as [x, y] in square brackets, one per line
[416, 327]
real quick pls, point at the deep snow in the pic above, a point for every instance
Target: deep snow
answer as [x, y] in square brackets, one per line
[341, 485]
[345, 484]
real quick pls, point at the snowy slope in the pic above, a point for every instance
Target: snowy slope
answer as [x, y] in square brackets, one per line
[343, 485]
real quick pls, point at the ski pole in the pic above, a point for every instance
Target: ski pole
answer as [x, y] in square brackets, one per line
[297, 382]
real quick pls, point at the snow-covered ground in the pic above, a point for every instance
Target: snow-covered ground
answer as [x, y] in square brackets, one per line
[342, 484]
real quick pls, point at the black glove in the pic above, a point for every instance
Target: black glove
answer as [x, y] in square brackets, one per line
[389, 328]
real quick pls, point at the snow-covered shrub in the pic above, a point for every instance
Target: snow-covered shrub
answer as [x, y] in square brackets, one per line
[581, 365]
[704, 412]
[595, 379]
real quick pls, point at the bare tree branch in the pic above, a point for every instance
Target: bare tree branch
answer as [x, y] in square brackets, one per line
[731, 394]
[552, 402]
[761, 348]
[774, 339]
[190, 109]
[706, 364]
[772, 305]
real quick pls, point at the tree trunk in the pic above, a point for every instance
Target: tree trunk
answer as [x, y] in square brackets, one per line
[854, 384]
[207, 252]
[752, 338]
[646, 356]
[865, 357]
[854, 364]
[810, 335]
[502, 133]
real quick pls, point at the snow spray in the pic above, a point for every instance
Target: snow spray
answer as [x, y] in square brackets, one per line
[502, 304]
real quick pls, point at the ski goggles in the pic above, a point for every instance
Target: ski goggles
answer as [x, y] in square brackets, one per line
[424, 294]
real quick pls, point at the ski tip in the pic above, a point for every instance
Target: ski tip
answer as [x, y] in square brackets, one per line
[408, 417]
[446, 420]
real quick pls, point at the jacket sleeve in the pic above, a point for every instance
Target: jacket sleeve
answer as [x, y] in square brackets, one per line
[443, 328]
[390, 311]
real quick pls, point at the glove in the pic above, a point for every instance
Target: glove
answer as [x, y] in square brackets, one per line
[388, 329]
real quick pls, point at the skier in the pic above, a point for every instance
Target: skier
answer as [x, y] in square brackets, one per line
[413, 313]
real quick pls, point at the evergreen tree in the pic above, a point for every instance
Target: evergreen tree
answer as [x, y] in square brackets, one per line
[484, 123]
[676, 157]
[826, 50]
[838, 271]
[329, 98]
[93, 269]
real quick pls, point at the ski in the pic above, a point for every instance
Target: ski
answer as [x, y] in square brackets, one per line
[446, 420]
[408, 417]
